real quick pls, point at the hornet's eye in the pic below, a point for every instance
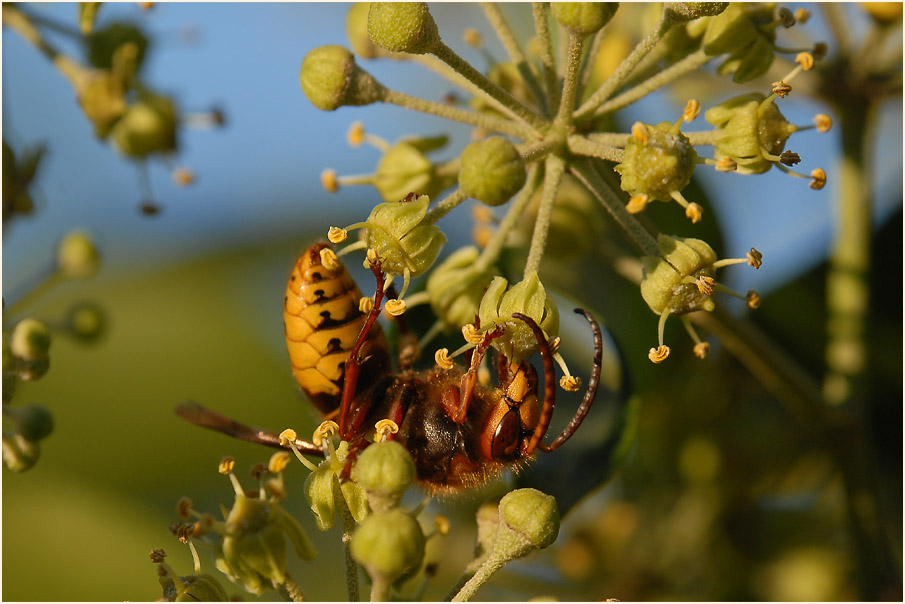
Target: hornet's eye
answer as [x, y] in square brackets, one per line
[505, 444]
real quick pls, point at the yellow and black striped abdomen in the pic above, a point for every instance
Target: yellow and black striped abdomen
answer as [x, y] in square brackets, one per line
[322, 322]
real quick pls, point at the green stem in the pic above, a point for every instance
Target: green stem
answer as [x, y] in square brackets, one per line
[479, 120]
[587, 65]
[533, 152]
[456, 78]
[448, 56]
[668, 75]
[512, 46]
[22, 25]
[541, 25]
[619, 76]
[704, 138]
[35, 293]
[585, 171]
[290, 589]
[570, 81]
[348, 524]
[471, 587]
[580, 145]
[612, 139]
[444, 206]
[839, 25]
[380, 589]
[494, 247]
[554, 168]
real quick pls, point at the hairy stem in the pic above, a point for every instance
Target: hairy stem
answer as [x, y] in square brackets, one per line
[289, 589]
[491, 252]
[554, 168]
[444, 206]
[580, 145]
[541, 25]
[456, 78]
[570, 82]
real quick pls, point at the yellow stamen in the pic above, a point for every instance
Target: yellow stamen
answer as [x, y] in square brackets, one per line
[471, 334]
[805, 59]
[329, 259]
[726, 164]
[287, 436]
[183, 177]
[752, 298]
[640, 132]
[755, 258]
[637, 203]
[226, 465]
[472, 37]
[819, 177]
[356, 134]
[694, 212]
[802, 15]
[365, 304]
[658, 355]
[781, 89]
[570, 383]
[183, 507]
[278, 462]
[395, 307]
[705, 285]
[325, 430]
[384, 428]
[702, 349]
[329, 181]
[337, 235]
[441, 357]
[823, 122]
[691, 111]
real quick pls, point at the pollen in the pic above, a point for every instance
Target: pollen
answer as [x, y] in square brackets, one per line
[356, 134]
[752, 299]
[325, 430]
[329, 181]
[226, 465]
[694, 212]
[640, 132]
[337, 235]
[183, 507]
[781, 89]
[287, 436]
[659, 354]
[805, 59]
[691, 111]
[702, 349]
[570, 383]
[823, 122]
[329, 259]
[441, 357]
[637, 203]
[278, 462]
[705, 285]
[819, 177]
[726, 164]
[384, 428]
[755, 258]
[365, 304]
[471, 334]
[395, 307]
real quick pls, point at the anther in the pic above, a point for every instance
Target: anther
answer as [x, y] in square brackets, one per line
[278, 462]
[441, 357]
[637, 203]
[781, 89]
[183, 177]
[802, 15]
[226, 465]
[325, 430]
[158, 555]
[365, 304]
[752, 299]
[356, 134]
[786, 17]
[823, 122]
[471, 334]
[329, 181]
[258, 471]
[554, 344]
[691, 111]
[702, 349]
[805, 59]
[472, 37]
[694, 212]
[755, 258]
[287, 436]
[395, 307]
[789, 158]
[384, 428]
[337, 235]
[371, 257]
[183, 507]
[819, 51]
[441, 523]
[658, 355]
[819, 177]
[570, 383]
[705, 285]
[639, 131]
[329, 259]
[726, 164]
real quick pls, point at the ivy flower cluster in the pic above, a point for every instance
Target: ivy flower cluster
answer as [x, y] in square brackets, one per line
[539, 126]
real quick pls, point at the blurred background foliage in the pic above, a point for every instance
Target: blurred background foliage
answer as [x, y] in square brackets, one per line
[729, 491]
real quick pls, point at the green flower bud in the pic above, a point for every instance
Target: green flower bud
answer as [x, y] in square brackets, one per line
[321, 491]
[330, 79]
[404, 245]
[86, 321]
[750, 63]
[385, 470]
[456, 288]
[403, 27]
[19, 453]
[103, 43]
[583, 18]
[662, 286]
[659, 165]
[747, 126]
[33, 422]
[740, 31]
[688, 11]
[148, 126]
[357, 32]
[527, 297]
[77, 257]
[492, 170]
[529, 520]
[404, 168]
[193, 588]
[30, 340]
[388, 545]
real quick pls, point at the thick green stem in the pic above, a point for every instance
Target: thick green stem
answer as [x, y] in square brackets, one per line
[380, 589]
[618, 77]
[703, 138]
[348, 524]
[580, 145]
[587, 65]
[570, 81]
[444, 206]
[668, 75]
[585, 171]
[541, 25]
[471, 587]
[512, 46]
[456, 78]
[290, 589]
[487, 122]
[448, 56]
[554, 168]
[492, 250]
